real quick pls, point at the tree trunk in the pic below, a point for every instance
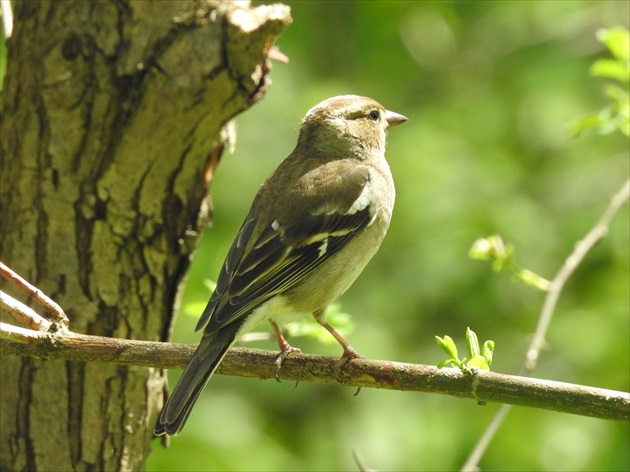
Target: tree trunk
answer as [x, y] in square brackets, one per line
[114, 115]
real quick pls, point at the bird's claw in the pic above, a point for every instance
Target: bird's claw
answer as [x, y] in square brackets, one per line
[349, 353]
[286, 350]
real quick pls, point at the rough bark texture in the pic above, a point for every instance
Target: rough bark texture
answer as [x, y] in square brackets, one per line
[114, 115]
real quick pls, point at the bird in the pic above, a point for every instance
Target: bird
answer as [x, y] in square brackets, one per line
[313, 226]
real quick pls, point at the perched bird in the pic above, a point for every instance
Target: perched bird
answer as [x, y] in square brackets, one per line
[313, 226]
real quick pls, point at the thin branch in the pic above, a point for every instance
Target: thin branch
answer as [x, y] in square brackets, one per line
[582, 248]
[24, 315]
[7, 17]
[53, 310]
[481, 386]
[471, 464]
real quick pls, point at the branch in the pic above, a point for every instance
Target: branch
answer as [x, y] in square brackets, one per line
[245, 362]
[582, 248]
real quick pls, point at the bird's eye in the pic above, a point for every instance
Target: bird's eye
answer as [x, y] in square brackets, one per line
[374, 115]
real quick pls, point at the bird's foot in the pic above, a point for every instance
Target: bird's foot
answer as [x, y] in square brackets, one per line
[349, 353]
[285, 350]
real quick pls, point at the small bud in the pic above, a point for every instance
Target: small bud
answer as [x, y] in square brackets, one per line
[481, 249]
[448, 346]
[487, 351]
[478, 362]
[473, 343]
[492, 248]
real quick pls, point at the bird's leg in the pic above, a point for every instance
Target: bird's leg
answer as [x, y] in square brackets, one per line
[348, 351]
[285, 348]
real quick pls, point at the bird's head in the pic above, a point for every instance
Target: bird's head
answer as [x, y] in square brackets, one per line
[347, 124]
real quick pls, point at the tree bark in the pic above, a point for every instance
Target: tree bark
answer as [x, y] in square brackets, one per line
[114, 115]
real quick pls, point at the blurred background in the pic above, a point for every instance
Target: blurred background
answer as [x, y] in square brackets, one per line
[490, 90]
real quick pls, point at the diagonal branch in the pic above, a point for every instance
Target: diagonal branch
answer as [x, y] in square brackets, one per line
[481, 386]
[52, 309]
[582, 248]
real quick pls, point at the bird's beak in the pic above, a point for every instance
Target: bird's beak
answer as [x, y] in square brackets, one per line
[394, 119]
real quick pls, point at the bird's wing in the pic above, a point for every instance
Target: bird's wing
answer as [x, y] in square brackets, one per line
[284, 253]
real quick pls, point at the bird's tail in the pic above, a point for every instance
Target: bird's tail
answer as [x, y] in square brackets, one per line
[204, 362]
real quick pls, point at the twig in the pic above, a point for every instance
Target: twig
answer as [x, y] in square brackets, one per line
[582, 248]
[7, 17]
[245, 362]
[53, 310]
[24, 315]
[486, 438]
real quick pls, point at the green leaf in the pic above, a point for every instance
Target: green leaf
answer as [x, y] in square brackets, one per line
[585, 123]
[478, 362]
[487, 351]
[619, 95]
[617, 40]
[448, 346]
[612, 69]
[472, 343]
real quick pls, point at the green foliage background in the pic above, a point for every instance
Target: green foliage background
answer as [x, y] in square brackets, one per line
[490, 89]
